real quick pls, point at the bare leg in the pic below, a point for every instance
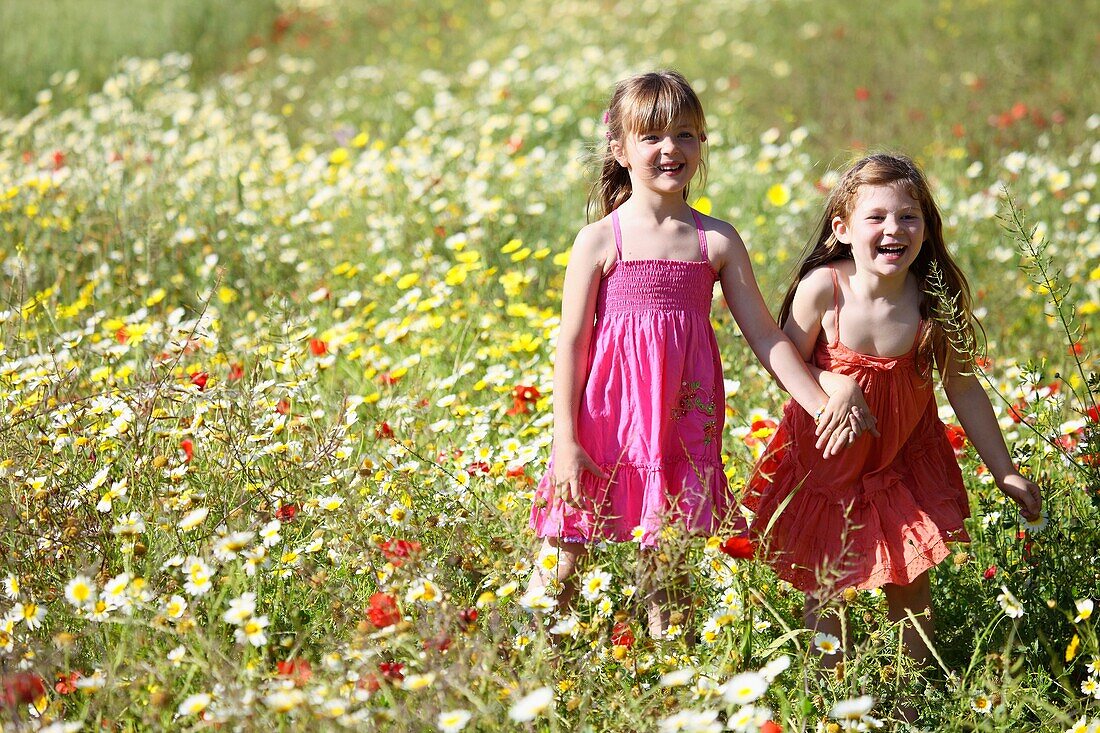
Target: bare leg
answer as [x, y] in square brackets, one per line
[558, 572]
[667, 594]
[916, 598]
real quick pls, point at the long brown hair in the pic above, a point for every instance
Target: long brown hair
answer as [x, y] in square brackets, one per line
[943, 335]
[650, 101]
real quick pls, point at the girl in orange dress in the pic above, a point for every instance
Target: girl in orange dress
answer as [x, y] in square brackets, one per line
[882, 513]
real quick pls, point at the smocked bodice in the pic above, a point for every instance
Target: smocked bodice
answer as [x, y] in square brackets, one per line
[639, 286]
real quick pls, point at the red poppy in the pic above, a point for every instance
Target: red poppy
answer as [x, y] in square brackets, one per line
[738, 548]
[383, 431]
[990, 572]
[236, 371]
[468, 618]
[383, 610]
[1077, 349]
[770, 726]
[199, 379]
[1093, 414]
[66, 683]
[299, 670]
[523, 397]
[1018, 411]
[1066, 442]
[956, 436]
[58, 160]
[862, 94]
[21, 688]
[188, 447]
[622, 634]
[283, 407]
[318, 347]
[121, 335]
[1018, 111]
[397, 550]
[388, 379]
[286, 513]
[392, 671]
[478, 467]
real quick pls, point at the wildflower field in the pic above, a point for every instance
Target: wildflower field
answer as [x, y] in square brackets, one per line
[277, 316]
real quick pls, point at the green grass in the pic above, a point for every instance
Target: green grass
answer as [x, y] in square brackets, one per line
[42, 39]
[316, 275]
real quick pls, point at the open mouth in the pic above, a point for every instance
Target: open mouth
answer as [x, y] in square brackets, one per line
[672, 168]
[891, 250]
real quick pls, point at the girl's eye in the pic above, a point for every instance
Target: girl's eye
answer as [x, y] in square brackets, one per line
[875, 217]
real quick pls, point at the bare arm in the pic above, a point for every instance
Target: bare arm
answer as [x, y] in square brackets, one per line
[774, 349]
[582, 282]
[846, 415]
[972, 407]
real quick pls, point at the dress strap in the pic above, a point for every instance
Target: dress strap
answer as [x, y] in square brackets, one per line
[702, 234]
[618, 233]
[836, 304]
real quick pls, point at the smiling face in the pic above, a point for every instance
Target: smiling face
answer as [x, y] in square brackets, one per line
[661, 160]
[885, 229]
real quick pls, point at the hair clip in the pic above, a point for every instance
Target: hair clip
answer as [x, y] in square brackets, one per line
[607, 117]
[608, 135]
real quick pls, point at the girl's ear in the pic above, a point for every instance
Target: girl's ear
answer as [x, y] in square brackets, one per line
[840, 230]
[618, 152]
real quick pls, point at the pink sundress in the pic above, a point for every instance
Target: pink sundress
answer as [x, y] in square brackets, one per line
[885, 509]
[652, 410]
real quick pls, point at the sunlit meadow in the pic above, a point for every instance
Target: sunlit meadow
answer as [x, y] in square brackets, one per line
[276, 353]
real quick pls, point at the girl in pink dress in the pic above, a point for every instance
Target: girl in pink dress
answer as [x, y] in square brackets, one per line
[638, 393]
[881, 514]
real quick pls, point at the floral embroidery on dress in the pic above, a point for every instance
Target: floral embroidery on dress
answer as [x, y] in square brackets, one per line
[693, 398]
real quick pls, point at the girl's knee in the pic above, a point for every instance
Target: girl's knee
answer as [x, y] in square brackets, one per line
[915, 597]
[564, 556]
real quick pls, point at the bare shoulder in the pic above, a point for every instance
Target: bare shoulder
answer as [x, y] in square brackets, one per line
[724, 244]
[721, 235]
[595, 244]
[815, 289]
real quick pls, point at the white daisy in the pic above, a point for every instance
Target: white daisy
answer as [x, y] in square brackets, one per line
[744, 688]
[532, 705]
[452, 721]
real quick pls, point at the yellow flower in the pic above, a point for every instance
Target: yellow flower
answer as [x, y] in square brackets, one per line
[778, 195]
[1071, 650]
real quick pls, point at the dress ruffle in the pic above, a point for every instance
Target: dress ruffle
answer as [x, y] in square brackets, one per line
[883, 511]
[693, 494]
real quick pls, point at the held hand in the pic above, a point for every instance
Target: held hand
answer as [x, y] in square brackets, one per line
[845, 408]
[570, 462]
[1024, 492]
[843, 419]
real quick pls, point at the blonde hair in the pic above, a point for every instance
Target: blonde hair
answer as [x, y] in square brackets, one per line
[650, 101]
[939, 339]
